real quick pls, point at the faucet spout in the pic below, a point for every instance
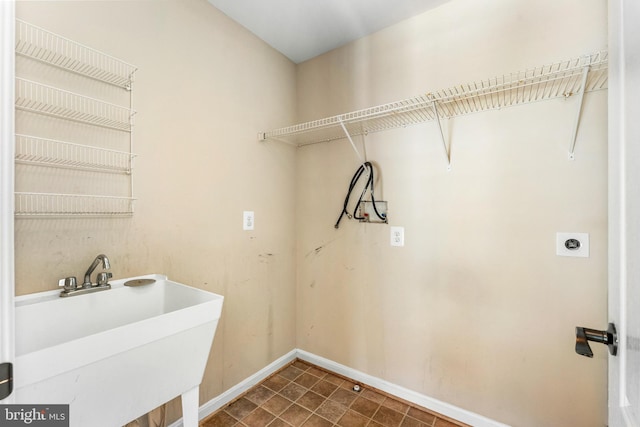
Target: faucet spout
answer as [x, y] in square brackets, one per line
[99, 259]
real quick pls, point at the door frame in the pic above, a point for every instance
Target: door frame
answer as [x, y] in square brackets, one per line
[7, 200]
[624, 205]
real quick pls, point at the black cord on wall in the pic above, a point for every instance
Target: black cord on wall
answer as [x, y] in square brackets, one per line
[366, 166]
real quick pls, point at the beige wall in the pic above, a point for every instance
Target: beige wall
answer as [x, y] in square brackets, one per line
[476, 309]
[204, 88]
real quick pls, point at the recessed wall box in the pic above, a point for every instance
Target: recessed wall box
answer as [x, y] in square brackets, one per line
[572, 244]
[367, 213]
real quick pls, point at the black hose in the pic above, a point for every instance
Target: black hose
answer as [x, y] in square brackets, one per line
[369, 184]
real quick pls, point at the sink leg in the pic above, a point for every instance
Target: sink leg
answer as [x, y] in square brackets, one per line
[190, 406]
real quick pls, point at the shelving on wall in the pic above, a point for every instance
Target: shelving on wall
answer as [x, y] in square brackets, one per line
[70, 205]
[561, 79]
[43, 99]
[53, 49]
[54, 153]
[99, 143]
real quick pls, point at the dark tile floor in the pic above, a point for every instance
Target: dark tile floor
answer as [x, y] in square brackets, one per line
[304, 395]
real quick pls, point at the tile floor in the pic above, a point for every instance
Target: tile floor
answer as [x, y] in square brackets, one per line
[304, 395]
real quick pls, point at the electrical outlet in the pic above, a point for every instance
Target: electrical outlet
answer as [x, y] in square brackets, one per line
[397, 236]
[248, 220]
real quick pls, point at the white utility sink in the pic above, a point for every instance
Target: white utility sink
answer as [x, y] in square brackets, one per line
[117, 354]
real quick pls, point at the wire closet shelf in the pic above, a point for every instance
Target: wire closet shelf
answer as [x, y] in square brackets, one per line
[48, 100]
[42, 45]
[53, 153]
[557, 80]
[70, 205]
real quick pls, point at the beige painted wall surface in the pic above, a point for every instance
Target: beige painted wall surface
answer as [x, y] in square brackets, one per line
[204, 88]
[476, 309]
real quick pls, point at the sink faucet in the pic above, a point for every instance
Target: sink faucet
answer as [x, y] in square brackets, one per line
[87, 276]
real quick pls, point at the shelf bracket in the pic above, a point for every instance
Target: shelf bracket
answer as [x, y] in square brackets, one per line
[444, 143]
[262, 137]
[353, 145]
[572, 146]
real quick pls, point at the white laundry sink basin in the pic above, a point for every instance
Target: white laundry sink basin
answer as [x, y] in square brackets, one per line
[117, 354]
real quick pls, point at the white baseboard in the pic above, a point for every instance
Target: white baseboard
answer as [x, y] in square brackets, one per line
[416, 398]
[426, 402]
[242, 387]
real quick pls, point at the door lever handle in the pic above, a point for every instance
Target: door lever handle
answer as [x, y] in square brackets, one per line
[608, 337]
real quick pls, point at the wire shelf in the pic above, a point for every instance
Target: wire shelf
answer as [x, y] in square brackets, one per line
[51, 101]
[71, 205]
[53, 49]
[561, 79]
[50, 152]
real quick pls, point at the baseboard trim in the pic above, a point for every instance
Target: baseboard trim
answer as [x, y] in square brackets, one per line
[416, 398]
[242, 387]
[419, 399]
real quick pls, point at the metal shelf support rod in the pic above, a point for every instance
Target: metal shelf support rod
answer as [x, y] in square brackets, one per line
[353, 145]
[444, 143]
[585, 73]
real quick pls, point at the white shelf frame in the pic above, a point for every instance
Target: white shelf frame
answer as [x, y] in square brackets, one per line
[54, 153]
[57, 51]
[562, 79]
[53, 205]
[53, 49]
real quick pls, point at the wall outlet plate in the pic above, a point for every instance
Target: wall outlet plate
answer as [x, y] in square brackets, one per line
[397, 236]
[248, 220]
[572, 244]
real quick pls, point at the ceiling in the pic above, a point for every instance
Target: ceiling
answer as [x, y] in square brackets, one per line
[303, 29]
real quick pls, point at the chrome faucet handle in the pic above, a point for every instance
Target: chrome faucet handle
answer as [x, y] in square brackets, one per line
[69, 283]
[103, 278]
